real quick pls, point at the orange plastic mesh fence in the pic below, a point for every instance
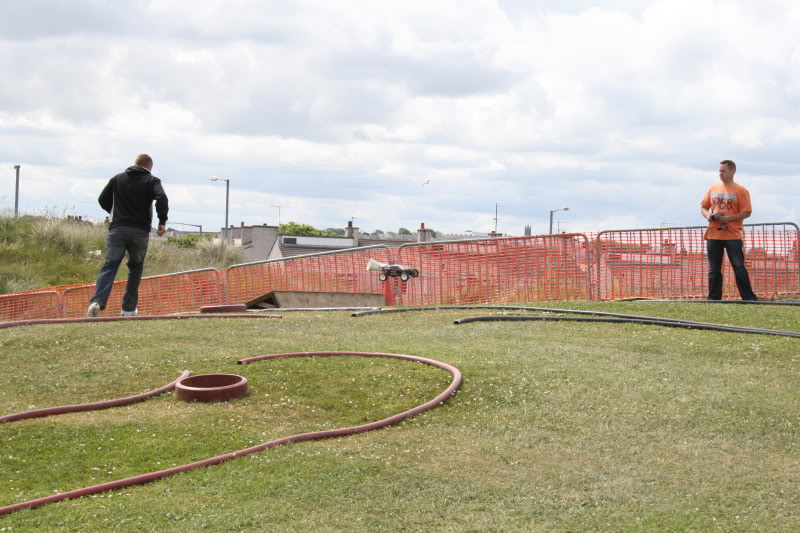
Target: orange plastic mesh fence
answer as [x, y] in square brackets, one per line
[771, 255]
[547, 267]
[158, 295]
[660, 263]
[342, 271]
[29, 305]
[671, 263]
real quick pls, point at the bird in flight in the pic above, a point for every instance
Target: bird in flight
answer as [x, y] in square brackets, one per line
[427, 182]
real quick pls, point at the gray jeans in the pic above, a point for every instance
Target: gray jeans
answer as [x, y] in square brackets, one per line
[121, 239]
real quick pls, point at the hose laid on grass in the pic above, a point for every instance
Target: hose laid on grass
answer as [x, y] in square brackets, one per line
[506, 308]
[315, 435]
[642, 320]
[617, 318]
[16, 323]
[557, 310]
[739, 302]
[94, 406]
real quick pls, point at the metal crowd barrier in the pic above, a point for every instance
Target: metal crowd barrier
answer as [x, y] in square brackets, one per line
[671, 262]
[29, 305]
[502, 270]
[657, 262]
[335, 271]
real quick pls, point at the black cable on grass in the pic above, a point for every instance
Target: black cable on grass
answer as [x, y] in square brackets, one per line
[524, 308]
[493, 307]
[795, 303]
[641, 320]
[617, 318]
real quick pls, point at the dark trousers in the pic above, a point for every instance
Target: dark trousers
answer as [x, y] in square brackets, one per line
[715, 250]
[119, 240]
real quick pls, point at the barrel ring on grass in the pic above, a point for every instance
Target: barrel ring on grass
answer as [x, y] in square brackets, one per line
[211, 388]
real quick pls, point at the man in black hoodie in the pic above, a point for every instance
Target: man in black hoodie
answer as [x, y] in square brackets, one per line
[129, 198]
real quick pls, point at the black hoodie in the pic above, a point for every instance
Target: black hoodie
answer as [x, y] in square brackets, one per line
[129, 198]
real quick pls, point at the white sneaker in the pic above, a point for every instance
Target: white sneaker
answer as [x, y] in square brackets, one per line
[93, 311]
[135, 312]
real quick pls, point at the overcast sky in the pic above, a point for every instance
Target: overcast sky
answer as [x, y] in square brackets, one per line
[333, 109]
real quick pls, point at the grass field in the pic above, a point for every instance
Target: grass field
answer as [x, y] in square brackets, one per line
[557, 427]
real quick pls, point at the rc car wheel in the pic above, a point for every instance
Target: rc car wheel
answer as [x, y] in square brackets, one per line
[403, 277]
[382, 277]
[414, 272]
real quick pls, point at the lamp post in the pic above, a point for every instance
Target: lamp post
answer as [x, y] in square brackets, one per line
[198, 226]
[551, 216]
[16, 194]
[279, 212]
[495, 216]
[227, 192]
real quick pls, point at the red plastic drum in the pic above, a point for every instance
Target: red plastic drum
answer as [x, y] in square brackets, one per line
[211, 388]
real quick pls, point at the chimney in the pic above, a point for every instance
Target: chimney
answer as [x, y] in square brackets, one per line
[424, 235]
[351, 232]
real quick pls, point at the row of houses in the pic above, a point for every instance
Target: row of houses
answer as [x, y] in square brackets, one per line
[265, 242]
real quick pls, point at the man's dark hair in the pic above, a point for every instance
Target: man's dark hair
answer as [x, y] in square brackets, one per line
[143, 160]
[731, 164]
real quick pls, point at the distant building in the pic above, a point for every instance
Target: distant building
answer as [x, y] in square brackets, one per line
[260, 243]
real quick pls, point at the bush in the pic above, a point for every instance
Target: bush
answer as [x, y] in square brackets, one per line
[185, 241]
[220, 252]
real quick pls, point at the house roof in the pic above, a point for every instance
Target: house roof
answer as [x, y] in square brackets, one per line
[393, 243]
[291, 250]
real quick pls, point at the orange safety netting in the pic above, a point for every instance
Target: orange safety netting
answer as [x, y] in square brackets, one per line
[342, 271]
[651, 263]
[671, 263]
[548, 267]
[158, 295]
[30, 305]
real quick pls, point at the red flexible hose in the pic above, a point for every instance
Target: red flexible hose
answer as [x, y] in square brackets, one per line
[16, 323]
[94, 406]
[315, 435]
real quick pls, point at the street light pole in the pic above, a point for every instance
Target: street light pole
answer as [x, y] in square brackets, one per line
[551, 216]
[496, 205]
[16, 194]
[199, 226]
[279, 213]
[227, 193]
[227, 196]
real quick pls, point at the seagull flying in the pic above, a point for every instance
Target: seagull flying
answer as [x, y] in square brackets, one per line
[427, 182]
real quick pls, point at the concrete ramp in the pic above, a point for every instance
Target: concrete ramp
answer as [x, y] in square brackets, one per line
[303, 299]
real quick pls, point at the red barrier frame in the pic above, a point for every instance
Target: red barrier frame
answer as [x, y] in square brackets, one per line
[672, 263]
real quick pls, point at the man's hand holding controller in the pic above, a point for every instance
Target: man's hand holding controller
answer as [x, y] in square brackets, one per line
[717, 216]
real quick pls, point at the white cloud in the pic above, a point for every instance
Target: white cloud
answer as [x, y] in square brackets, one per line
[344, 108]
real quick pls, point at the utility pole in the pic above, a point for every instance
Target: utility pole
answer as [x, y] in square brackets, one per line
[16, 194]
[496, 205]
[279, 213]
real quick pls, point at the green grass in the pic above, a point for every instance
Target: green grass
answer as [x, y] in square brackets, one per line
[557, 427]
[46, 251]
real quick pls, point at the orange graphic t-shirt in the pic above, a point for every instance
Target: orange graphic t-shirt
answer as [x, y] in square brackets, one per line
[728, 200]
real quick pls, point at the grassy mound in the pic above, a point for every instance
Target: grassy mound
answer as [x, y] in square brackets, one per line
[37, 252]
[557, 427]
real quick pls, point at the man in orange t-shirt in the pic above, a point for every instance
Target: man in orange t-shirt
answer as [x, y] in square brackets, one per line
[725, 206]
